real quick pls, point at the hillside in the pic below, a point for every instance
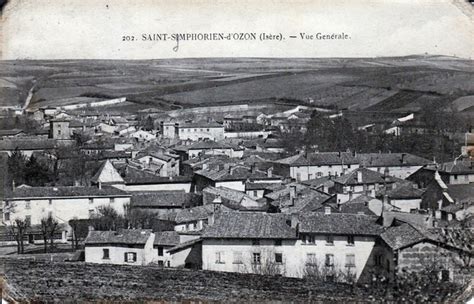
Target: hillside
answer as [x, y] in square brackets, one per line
[354, 84]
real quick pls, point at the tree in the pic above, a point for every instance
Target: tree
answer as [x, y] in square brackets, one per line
[16, 167]
[18, 229]
[36, 174]
[48, 226]
[107, 218]
[80, 229]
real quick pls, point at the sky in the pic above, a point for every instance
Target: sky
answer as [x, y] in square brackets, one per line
[95, 29]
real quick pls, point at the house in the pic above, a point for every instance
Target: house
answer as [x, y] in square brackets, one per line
[63, 203]
[122, 247]
[358, 182]
[266, 243]
[413, 248]
[459, 171]
[129, 178]
[233, 199]
[163, 163]
[209, 148]
[193, 131]
[402, 195]
[399, 165]
[164, 240]
[304, 200]
[164, 203]
[306, 166]
[142, 135]
[187, 254]
[233, 177]
[194, 219]
[249, 242]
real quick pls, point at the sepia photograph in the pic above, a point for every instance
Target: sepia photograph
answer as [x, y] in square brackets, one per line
[215, 151]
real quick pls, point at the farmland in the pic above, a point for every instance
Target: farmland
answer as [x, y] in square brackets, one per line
[45, 281]
[388, 84]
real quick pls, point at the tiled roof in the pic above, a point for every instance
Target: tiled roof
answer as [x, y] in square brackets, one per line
[257, 186]
[208, 144]
[459, 167]
[44, 192]
[136, 176]
[391, 159]
[27, 144]
[368, 177]
[339, 223]
[325, 181]
[281, 191]
[358, 205]
[232, 199]
[184, 245]
[305, 200]
[401, 236]
[238, 225]
[124, 236]
[10, 132]
[194, 214]
[166, 238]
[200, 124]
[463, 193]
[402, 190]
[319, 159]
[159, 199]
[236, 173]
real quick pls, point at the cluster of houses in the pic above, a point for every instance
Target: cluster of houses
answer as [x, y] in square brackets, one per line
[242, 204]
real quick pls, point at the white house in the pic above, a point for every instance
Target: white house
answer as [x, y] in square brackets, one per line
[194, 131]
[165, 164]
[63, 203]
[302, 167]
[327, 243]
[164, 240]
[122, 247]
[143, 135]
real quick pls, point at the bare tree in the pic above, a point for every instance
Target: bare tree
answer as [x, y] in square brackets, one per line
[18, 229]
[48, 226]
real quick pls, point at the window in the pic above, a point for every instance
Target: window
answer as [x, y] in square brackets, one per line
[27, 204]
[378, 260]
[329, 240]
[310, 176]
[168, 263]
[350, 260]
[350, 240]
[220, 257]
[348, 166]
[161, 263]
[298, 176]
[112, 200]
[130, 257]
[237, 257]
[257, 258]
[278, 258]
[7, 216]
[255, 193]
[207, 130]
[50, 201]
[91, 200]
[277, 242]
[445, 275]
[105, 254]
[309, 239]
[455, 176]
[160, 251]
[311, 259]
[255, 242]
[329, 262]
[466, 178]
[59, 132]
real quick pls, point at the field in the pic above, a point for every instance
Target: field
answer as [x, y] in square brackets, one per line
[389, 84]
[60, 282]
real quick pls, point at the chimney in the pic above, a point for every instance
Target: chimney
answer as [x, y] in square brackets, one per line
[359, 176]
[13, 185]
[292, 192]
[270, 172]
[205, 166]
[100, 185]
[403, 158]
[327, 210]
[231, 169]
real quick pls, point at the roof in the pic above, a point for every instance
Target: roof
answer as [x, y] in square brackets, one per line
[28, 144]
[401, 236]
[339, 223]
[65, 192]
[366, 177]
[458, 167]
[283, 190]
[236, 173]
[166, 238]
[257, 186]
[462, 193]
[253, 225]
[159, 199]
[184, 245]
[200, 124]
[325, 181]
[358, 205]
[232, 199]
[208, 144]
[107, 174]
[195, 213]
[123, 236]
[305, 200]
[391, 160]
[319, 159]
[10, 132]
[133, 175]
[403, 191]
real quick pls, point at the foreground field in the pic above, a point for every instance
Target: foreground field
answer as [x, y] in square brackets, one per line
[41, 281]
